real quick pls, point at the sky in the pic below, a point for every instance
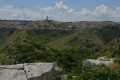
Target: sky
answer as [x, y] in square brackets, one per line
[61, 10]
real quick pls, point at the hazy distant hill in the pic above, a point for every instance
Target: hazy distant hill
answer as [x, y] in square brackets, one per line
[97, 32]
[50, 24]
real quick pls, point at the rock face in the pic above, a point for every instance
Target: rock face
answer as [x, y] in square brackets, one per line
[29, 71]
[95, 63]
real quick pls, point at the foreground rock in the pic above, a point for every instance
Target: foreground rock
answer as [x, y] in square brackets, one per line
[29, 71]
[96, 62]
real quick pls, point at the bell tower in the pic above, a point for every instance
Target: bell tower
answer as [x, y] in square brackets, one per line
[47, 17]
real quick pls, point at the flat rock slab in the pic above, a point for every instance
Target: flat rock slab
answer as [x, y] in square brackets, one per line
[7, 74]
[29, 71]
[18, 66]
[39, 71]
[95, 63]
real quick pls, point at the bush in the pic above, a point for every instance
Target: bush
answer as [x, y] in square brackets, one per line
[117, 60]
[114, 66]
[101, 73]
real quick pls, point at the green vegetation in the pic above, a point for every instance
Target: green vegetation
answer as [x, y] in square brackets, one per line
[66, 47]
[101, 73]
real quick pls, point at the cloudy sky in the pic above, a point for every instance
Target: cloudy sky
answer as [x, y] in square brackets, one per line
[61, 10]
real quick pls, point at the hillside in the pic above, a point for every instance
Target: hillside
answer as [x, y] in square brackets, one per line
[67, 43]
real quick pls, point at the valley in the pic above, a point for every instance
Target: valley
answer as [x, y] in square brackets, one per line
[67, 43]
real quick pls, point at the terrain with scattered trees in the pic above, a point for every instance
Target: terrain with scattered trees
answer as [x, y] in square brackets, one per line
[67, 43]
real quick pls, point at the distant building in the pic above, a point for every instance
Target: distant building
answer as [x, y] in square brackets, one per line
[46, 18]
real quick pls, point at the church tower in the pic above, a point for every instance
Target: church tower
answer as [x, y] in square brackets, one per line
[47, 17]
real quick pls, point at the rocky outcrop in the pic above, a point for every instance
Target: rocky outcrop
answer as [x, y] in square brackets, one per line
[95, 63]
[29, 71]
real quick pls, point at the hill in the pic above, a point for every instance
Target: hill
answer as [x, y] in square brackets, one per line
[67, 43]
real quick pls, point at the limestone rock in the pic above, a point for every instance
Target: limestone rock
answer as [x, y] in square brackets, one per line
[95, 63]
[41, 71]
[29, 71]
[18, 66]
[12, 74]
[64, 77]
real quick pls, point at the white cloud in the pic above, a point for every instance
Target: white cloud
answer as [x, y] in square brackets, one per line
[101, 9]
[47, 9]
[116, 14]
[61, 12]
[101, 13]
[9, 12]
[84, 12]
[60, 5]
[71, 10]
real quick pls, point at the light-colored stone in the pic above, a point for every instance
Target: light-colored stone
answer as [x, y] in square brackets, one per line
[103, 59]
[18, 66]
[95, 63]
[41, 71]
[64, 77]
[14, 74]
[29, 71]
[74, 77]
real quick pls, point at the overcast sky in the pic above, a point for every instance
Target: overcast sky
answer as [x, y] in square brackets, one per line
[61, 10]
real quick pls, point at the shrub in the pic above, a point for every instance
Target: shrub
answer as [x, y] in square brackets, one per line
[117, 60]
[114, 66]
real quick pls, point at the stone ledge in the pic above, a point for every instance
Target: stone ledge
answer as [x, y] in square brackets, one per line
[96, 62]
[29, 71]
